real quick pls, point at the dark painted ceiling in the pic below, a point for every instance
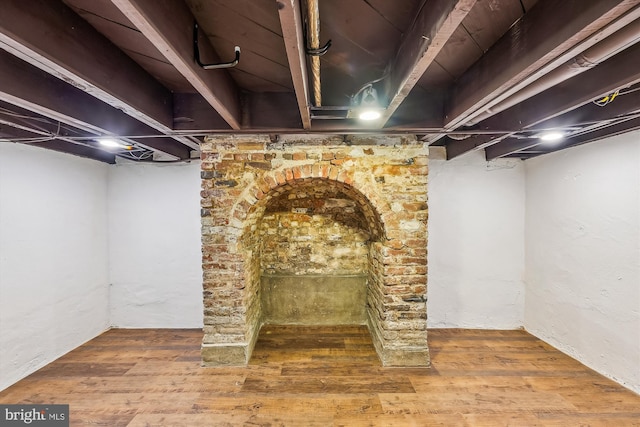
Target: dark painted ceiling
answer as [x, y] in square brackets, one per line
[488, 75]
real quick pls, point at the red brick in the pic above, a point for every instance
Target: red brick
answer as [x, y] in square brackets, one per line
[415, 206]
[280, 177]
[289, 174]
[264, 186]
[271, 182]
[421, 160]
[416, 243]
[299, 156]
[333, 173]
[395, 244]
[421, 170]
[348, 179]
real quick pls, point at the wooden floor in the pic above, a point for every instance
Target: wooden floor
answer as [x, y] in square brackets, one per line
[326, 377]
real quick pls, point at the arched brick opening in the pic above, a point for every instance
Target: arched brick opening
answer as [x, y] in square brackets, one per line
[375, 201]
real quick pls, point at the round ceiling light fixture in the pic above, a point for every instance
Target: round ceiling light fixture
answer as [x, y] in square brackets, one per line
[366, 105]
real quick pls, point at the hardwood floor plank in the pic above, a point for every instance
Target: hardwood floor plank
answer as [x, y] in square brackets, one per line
[469, 384]
[226, 420]
[326, 376]
[335, 404]
[491, 402]
[327, 385]
[393, 420]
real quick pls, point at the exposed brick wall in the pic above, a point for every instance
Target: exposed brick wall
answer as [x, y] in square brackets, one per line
[314, 207]
[314, 229]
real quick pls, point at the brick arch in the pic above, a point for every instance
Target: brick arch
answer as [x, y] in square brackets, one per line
[272, 183]
[240, 178]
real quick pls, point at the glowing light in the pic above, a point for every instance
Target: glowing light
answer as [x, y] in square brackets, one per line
[551, 137]
[369, 115]
[110, 142]
[114, 143]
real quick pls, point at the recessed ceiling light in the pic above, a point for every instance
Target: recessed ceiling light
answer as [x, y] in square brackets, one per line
[369, 115]
[114, 143]
[551, 137]
[109, 142]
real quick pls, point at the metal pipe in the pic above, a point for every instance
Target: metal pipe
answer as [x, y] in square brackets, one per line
[595, 55]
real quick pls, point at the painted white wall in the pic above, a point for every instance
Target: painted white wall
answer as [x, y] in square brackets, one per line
[476, 243]
[53, 256]
[583, 254]
[154, 246]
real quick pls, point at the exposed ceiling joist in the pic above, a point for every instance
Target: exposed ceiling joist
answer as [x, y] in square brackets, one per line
[12, 133]
[589, 115]
[27, 87]
[499, 70]
[544, 37]
[293, 35]
[169, 27]
[50, 36]
[618, 72]
[619, 128]
[432, 28]
[605, 132]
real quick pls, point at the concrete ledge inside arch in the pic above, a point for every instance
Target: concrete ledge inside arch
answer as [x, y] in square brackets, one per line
[314, 299]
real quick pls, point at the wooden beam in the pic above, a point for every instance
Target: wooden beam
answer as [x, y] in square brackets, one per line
[510, 146]
[294, 41]
[35, 90]
[602, 133]
[432, 28]
[50, 36]
[169, 27]
[618, 72]
[544, 37]
[272, 110]
[421, 108]
[589, 114]
[191, 112]
[11, 133]
[457, 148]
[529, 149]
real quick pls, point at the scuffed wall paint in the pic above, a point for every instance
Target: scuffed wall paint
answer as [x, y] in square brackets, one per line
[154, 246]
[583, 254]
[476, 243]
[53, 256]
